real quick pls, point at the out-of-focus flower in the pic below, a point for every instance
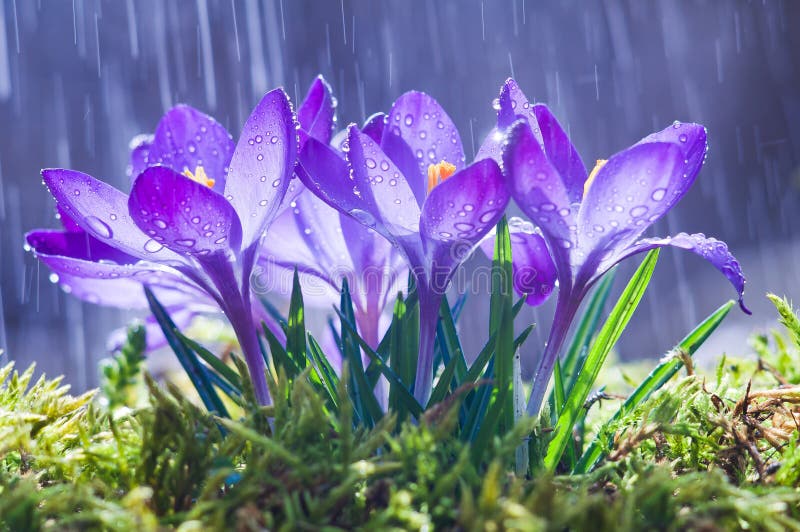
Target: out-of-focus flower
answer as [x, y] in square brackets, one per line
[192, 223]
[592, 221]
[326, 245]
[405, 177]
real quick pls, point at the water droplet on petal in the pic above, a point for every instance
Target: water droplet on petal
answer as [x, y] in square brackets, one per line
[640, 210]
[99, 226]
[188, 242]
[161, 224]
[151, 246]
[658, 194]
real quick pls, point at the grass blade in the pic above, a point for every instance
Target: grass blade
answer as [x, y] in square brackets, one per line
[657, 378]
[606, 339]
[188, 359]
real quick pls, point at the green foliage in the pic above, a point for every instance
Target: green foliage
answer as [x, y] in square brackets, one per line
[122, 373]
[586, 375]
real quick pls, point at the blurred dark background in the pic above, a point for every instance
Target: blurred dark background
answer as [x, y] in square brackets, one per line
[79, 78]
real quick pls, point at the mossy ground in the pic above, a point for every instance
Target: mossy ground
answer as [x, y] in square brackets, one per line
[714, 451]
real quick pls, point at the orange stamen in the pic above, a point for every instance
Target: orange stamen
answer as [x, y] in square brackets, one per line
[199, 176]
[438, 173]
[597, 167]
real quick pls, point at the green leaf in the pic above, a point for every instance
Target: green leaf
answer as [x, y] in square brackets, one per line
[279, 356]
[188, 359]
[296, 328]
[500, 414]
[324, 368]
[404, 396]
[361, 393]
[225, 371]
[657, 378]
[449, 344]
[605, 341]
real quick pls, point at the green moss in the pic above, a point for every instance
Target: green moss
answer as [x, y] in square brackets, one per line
[707, 452]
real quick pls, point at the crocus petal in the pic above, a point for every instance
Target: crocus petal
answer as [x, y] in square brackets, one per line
[374, 126]
[140, 148]
[76, 244]
[309, 236]
[324, 172]
[262, 165]
[67, 221]
[392, 202]
[714, 251]
[185, 138]
[458, 213]
[78, 255]
[537, 187]
[126, 293]
[316, 113]
[692, 140]
[561, 153]
[533, 269]
[183, 215]
[427, 129]
[102, 211]
[628, 194]
[511, 105]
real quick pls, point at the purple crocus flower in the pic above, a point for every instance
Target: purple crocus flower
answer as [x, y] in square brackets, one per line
[192, 222]
[326, 245]
[592, 221]
[382, 184]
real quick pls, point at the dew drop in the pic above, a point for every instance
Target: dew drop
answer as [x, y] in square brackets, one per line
[151, 246]
[640, 210]
[161, 224]
[658, 194]
[188, 242]
[99, 226]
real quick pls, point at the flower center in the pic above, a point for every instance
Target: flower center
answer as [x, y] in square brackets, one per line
[438, 173]
[199, 176]
[597, 167]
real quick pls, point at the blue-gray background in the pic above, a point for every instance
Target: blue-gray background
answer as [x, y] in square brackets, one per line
[79, 78]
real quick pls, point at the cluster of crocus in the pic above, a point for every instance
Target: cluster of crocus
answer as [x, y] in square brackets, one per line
[193, 221]
[368, 204]
[592, 221]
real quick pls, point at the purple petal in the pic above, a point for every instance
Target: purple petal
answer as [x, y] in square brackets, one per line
[714, 251]
[458, 213]
[390, 198]
[537, 186]
[324, 172]
[316, 113]
[427, 129]
[561, 153]
[511, 105]
[185, 138]
[102, 211]
[691, 139]
[77, 244]
[309, 236]
[67, 221]
[122, 292]
[183, 215]
[140, 149]
[630, 193]
[262, 165]
[374, 126]
[534, 271]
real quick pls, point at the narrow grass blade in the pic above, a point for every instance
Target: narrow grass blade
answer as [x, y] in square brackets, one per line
[657, 378]
[323, 366]
[225, 371]
[500, 414]
[296, 327]
[605, 341]
[404, 395]
[188, 359]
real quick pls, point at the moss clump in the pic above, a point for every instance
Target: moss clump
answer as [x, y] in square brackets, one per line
[712, 452]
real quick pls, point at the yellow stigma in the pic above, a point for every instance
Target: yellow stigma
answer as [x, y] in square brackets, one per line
[600, 164]
[438, 173]
[199, 176]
